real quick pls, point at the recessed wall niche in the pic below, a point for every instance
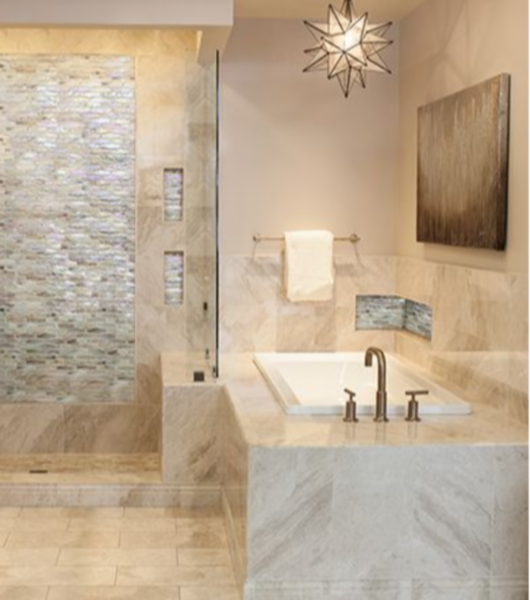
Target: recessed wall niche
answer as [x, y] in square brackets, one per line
[174, 278]
[173, 194]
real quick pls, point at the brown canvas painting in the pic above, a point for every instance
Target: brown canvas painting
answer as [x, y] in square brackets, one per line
[463, 167]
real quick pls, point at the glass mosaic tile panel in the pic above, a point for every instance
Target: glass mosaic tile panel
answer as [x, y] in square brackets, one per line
[67, 228]
[393, 313]
[174, 278]
[380, 312]
[173, 194]
[418, 319]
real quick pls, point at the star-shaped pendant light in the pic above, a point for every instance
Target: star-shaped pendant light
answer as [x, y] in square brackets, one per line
[348, 47]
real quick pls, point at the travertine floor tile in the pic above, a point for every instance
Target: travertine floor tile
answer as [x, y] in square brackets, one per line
[3, 538]
[12, 557]
[72, 513]
[189, 557]
[57, 576]
[144, 525]
[113, 593]
[142, 539]
[122, 557]
[50, 525]
[23, 593]
[9, 513]
[216, 593]
[7, 524]
[148, 513]
[67, 539]
[201, 534]
[179, 576]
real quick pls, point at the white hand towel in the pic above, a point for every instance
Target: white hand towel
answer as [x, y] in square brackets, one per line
[309, 266]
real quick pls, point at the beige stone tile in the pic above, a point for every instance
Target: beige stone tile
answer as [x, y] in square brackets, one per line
[112, 593]
[207, 534]
[192, 557]
[180, 576]
[57, 576]
[12, 557]
[3, 538]
[40, 525]
[122, 557]
[148, 513]
[143, 539]
[9, 512]
[202, 593]
[207, 512]
[7, 524]
[67, 539]
[72, 513]
[23, 593]
[149, 525]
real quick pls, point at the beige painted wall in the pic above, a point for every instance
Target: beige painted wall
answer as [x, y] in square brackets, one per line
[447, 45]
[295, 154]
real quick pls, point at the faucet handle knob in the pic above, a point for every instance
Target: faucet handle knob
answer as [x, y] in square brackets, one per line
[415, 393]
[414, 406]
[350, 415]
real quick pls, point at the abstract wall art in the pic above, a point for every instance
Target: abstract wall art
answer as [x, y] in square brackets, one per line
[463, 167]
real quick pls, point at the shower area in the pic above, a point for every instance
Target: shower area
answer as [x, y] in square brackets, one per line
[108, 242]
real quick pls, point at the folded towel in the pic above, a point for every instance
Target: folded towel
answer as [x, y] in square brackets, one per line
[309, 266]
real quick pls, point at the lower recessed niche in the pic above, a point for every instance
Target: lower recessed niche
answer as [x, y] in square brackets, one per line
[174, 278]
[173, 194]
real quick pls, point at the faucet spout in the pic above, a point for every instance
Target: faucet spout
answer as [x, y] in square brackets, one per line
[381, 395]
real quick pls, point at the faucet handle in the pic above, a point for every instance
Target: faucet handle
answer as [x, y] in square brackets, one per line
[414, 406]
[350, 415]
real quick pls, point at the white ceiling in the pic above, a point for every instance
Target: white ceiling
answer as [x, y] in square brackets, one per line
[380, 10]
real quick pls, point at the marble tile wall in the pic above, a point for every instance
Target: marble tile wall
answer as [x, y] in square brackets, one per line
[192, 434]
[480, 330]
[256, 316]
[435, 521]
[46, 428]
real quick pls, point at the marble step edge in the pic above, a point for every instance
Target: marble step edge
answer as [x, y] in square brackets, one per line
[134, 495]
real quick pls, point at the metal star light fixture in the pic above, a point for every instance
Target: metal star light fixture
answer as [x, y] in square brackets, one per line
[348, 47]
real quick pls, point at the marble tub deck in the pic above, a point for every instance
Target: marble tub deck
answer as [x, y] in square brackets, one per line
[318, 509]
[264, 424]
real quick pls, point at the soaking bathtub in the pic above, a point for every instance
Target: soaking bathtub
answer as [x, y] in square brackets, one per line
[313, 384]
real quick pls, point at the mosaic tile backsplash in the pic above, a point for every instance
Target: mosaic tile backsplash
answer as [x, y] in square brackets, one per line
[174, 278]
[394, 313]
[67, 228]
[173, 194]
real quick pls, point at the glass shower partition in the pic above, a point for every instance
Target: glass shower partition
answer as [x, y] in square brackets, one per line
[201, 217]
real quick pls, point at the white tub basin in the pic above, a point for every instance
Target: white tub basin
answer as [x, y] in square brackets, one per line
[313, 384]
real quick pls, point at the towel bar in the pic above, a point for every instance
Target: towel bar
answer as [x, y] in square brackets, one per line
[353, 238]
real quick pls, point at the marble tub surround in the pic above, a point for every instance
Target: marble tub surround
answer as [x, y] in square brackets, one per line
[264, 423]
[447, 496]
[480, 330]
[256, 316]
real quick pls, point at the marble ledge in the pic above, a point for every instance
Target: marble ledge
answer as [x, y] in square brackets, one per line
[264, 424]
[178, 368]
